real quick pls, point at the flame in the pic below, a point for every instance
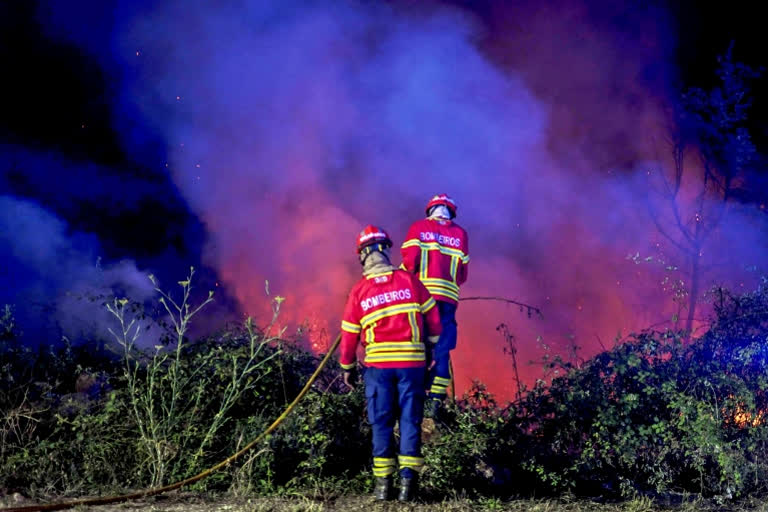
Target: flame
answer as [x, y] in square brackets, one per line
[741, 417]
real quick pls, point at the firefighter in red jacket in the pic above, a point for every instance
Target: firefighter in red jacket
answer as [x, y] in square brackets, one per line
[394, 316]
[437, 250]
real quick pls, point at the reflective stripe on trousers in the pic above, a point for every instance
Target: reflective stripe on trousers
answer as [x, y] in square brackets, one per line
[441, 372]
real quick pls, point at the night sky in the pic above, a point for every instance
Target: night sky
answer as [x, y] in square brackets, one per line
[253, 141]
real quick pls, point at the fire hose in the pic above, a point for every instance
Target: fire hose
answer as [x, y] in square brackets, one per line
[159, 490]
[105, 500]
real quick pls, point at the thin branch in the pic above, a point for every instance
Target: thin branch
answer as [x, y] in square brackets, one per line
[664, 233]
[509, 301]
[601, 343]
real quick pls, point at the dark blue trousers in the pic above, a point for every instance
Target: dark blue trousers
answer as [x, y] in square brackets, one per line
[440, 377]
[395, 394]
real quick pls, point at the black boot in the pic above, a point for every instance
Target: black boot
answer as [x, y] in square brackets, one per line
[383, 488]
[408, 488]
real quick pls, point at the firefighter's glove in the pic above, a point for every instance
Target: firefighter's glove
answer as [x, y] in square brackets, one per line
[350, 377]
[430, 351]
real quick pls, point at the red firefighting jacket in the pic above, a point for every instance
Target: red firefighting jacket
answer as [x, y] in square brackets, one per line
[437, 250]
[389, 311]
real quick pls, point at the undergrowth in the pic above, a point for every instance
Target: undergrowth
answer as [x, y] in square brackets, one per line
[654, 418]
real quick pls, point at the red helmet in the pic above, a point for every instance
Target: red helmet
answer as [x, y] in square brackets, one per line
[445, 200]
[373, 237]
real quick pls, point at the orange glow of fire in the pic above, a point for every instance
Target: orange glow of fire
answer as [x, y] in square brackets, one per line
[743, 418]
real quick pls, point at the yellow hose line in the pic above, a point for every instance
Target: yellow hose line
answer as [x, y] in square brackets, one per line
[159, 490]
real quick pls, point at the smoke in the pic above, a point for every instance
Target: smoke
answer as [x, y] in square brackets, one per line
[54, 278]
[288, 137]
[290, 125]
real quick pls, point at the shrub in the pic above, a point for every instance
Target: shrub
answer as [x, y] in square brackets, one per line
[655, 414]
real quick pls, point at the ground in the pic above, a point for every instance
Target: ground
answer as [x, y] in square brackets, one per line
[194, 503]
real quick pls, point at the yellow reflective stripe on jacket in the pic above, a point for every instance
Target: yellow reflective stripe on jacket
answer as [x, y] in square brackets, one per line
[435, 246]
[442, 291]
[439, 292]
[395, 357]
[388, 311]
[385, 346]
[429, 304]
[350, 327]
[454, 267]
[394, 352]
[442, 287]
[436, 281]
[423, 263]
[415, 332]
[348, 366]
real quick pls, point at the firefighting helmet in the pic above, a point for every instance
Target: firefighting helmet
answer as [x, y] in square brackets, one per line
[371, 239]
[445, 200]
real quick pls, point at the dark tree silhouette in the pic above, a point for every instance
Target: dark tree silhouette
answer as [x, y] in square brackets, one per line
[712, 152]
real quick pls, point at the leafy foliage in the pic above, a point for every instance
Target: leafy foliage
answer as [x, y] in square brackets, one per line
[652, 415]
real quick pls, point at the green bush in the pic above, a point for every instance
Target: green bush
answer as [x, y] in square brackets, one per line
[657, 415]
[459, 459]
[654, 415]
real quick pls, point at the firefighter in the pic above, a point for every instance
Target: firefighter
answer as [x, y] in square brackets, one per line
[393, 315]
[437, 250]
